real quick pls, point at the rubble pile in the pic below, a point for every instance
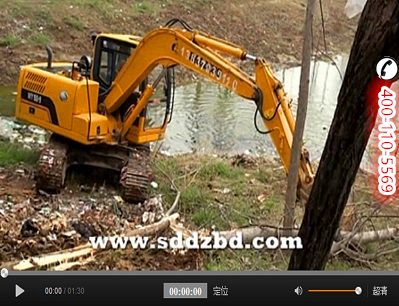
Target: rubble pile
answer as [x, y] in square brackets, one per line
[245, 160]
[43, 223]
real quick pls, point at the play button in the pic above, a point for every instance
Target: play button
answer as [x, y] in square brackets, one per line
[18, 291]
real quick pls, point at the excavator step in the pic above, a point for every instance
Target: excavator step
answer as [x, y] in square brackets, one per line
[52, 165]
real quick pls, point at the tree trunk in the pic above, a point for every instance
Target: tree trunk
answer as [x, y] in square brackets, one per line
[377, 36]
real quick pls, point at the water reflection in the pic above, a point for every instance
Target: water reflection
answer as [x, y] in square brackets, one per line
[208, 118]
[324, 86]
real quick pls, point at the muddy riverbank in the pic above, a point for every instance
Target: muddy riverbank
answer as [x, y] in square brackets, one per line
[271, 29]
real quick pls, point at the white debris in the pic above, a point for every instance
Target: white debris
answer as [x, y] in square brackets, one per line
[154, 185]
[226, 190]
[6, 129]
[36, 130]
[118, 199]
[155, 208]
[52, 237]
[28, 140]
[69, 234]
[145, 217]
[165, 153]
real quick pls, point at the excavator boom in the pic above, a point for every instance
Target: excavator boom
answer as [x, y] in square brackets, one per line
[202, 54]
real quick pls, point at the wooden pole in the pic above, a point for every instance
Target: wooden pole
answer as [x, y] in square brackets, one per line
[292, 180]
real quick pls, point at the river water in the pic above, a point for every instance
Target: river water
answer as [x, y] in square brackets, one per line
[210, 119]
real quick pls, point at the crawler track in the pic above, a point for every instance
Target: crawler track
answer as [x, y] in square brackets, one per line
[136, 175]
[132, 162]
[52, 165]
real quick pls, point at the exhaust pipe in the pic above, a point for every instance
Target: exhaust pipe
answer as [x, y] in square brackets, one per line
[49, 57]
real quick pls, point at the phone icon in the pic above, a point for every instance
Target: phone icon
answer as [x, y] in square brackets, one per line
[388, 63]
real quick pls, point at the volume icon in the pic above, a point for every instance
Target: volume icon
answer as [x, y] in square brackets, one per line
[298, 290]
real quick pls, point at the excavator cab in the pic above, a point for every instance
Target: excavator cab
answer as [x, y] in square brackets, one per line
[110, 55]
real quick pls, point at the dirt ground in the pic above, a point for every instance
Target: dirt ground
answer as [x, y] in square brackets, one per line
[271, 28]
[220, 193]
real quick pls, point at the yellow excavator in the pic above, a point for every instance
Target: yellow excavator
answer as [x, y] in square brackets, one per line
[99, 108]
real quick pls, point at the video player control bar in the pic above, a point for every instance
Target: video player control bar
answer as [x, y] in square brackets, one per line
[79, 287]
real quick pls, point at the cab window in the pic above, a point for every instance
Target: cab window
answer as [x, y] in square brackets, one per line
[111, 55]
[105, 72]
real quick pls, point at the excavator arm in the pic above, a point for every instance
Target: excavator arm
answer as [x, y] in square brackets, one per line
[202, 53]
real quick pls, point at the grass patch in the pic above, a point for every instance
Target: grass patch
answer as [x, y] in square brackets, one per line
[216, 194]
[262, 176]
[189, 4]
[219, 169]
[247, 260]
[39, 39]
[9, 41]
[104, 7]
[213, 192]
[145, 7]
[20, 9]
[206, 216]
[42, 16]
[194, 195]
[32, 11]
[340, 265]
[270, 204]
[13, 154]
[73, 22]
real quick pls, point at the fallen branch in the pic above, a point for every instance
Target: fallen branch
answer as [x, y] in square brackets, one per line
[347, 236]
[49, 259]
[372, 236]
[69, 265]
[174, 205]
[79, 255]
[154, 228]
[361, 238]
[249, 233]
[366, 258]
